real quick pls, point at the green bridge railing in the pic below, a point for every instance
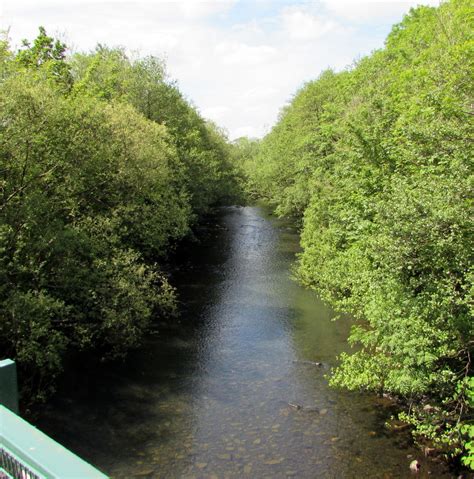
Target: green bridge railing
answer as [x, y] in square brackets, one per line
[26, 452]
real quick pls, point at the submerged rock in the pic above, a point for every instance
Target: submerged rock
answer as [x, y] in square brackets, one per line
[272, 462]
[248, 468]
[312, 409]
[304, 361]
[144, 472]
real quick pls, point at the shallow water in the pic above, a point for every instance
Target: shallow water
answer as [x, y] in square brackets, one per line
[213, 396]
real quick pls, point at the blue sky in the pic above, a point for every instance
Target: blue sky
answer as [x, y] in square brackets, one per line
[238, 61]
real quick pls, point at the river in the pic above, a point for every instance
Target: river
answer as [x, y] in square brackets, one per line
[229, 390]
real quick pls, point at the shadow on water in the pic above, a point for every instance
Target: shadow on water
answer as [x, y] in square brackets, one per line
[229, 391]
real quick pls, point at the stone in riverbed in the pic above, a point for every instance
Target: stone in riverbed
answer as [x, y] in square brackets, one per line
[415, 466]
[144, 472]
[272, 462]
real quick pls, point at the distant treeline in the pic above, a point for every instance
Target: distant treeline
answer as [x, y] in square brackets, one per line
[104, 166]
[376, 163]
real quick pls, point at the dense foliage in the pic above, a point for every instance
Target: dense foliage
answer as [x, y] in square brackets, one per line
[103, 167]
[376, 163]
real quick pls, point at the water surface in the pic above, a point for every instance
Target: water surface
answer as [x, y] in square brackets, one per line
[229, 391]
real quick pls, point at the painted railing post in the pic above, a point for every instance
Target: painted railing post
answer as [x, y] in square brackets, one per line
[26, 452]
[9, 385]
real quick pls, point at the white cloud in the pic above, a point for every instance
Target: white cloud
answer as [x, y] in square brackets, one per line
[250, 28]
[215, 113]
[249, 131]
[255, 94]
[235, 53]
[199, 8]
[238, 71]
[367, 11]
[302, 25]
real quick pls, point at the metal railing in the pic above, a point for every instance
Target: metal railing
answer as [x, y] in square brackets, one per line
[11, 467]
[26, 452]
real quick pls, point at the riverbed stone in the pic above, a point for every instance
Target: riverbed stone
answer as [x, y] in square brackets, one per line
[144, 472]
[415, 466]
[277, 460]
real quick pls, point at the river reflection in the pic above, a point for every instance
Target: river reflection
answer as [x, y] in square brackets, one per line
[232, 391]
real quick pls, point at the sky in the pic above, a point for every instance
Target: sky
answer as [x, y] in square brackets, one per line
[238, 61]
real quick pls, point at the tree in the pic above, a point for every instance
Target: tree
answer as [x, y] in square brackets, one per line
[47, 55]
[376, 162]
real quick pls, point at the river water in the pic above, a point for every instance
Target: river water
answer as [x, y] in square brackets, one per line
[229, 390]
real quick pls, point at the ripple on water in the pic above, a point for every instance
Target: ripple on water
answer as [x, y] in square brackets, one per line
[231, 392]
